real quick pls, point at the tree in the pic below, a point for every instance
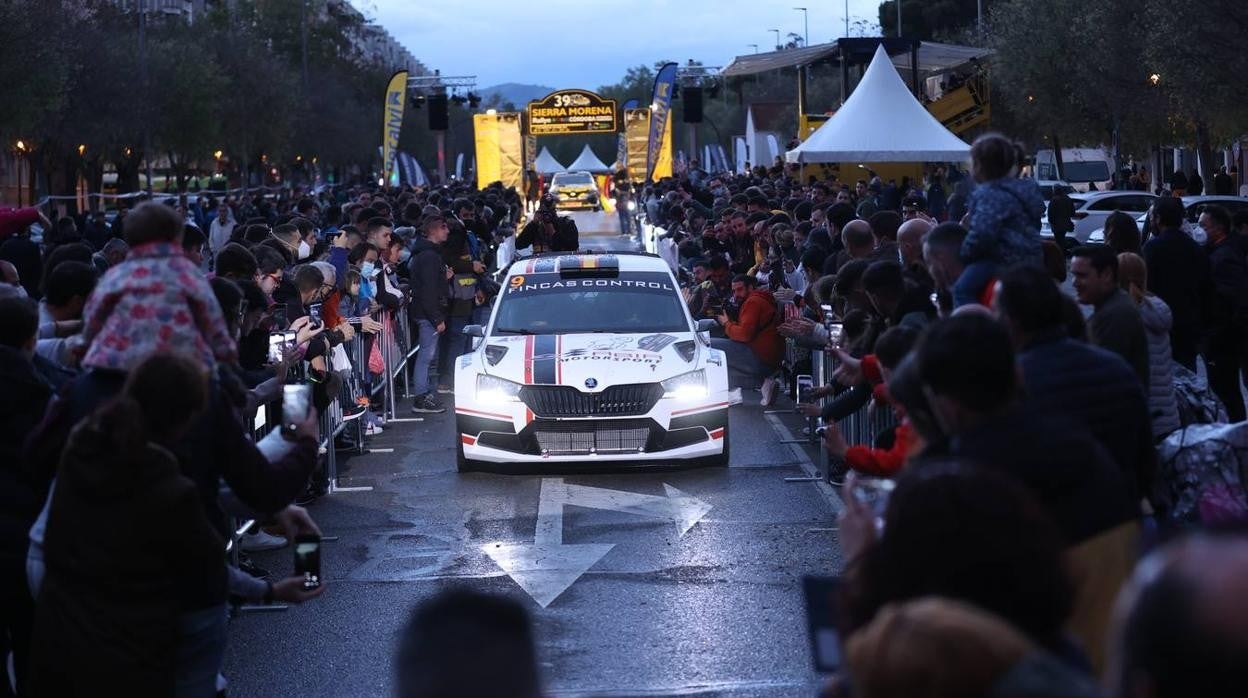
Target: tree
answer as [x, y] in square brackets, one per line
[1190, 50]
[929, 19]
[186, 97]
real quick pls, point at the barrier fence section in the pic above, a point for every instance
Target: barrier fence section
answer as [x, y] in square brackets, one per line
[862, 427]
[359, 387]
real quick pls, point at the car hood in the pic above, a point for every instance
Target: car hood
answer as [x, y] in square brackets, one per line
[593, 361]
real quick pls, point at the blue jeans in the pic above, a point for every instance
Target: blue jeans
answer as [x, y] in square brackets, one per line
[625, 219]
[970, 285]
[450, 347]
[201, 650]
[427, 341]
[745, 369]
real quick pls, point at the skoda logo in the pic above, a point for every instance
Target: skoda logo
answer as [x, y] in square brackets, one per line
[591, 383]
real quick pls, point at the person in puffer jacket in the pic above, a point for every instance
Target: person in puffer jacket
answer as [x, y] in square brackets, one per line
[1163, 404]
[1004, 213]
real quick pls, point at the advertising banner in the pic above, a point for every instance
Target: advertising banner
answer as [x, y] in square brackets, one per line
[485, 133]
[572, 111]
[660, 110]
[621, 146]
[510, 151]
[392, 126]
[637, 134]
[499, 155]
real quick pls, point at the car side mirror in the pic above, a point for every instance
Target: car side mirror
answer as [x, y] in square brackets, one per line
[474, 331]
[706, 325]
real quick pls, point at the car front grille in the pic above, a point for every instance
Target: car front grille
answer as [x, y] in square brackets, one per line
[616, 401]
[584, 438]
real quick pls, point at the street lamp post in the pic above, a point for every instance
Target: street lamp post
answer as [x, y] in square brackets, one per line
[777, 32]
[846, 19]
[805, 25]
[754, 46]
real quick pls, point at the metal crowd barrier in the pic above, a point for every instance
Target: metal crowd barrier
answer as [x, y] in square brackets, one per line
[862, 427]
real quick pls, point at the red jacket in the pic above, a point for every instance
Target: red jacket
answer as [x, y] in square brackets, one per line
[758, 325]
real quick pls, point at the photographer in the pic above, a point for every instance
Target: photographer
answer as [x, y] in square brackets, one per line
[548, 231]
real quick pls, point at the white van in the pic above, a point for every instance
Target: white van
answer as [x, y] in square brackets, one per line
[1080, 167]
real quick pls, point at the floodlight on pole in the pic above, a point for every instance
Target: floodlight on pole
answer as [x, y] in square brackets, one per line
[805, 25]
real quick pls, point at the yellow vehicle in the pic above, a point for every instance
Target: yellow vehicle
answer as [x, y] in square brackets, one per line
[575, 190]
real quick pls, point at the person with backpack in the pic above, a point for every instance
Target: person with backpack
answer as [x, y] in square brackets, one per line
[429, 276]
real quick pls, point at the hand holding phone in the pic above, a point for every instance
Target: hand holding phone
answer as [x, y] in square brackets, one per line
[308, 560]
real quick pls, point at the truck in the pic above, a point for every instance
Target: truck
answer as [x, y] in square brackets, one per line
[1081, 167]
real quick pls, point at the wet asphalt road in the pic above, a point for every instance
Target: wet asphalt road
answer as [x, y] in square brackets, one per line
[717, 610]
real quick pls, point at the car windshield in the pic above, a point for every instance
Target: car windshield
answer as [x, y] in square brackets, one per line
[630, 302]
[577, 179]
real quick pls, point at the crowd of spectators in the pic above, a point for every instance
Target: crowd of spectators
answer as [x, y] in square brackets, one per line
[1032, 387]
[1019, 553]
[135, 355]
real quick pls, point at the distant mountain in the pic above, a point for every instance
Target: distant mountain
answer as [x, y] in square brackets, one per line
[516, 93]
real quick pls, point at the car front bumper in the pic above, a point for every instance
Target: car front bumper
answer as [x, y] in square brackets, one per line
[666, 433]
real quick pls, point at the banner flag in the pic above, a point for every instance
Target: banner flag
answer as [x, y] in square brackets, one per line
[392, 126]
[660, 108]
[662, 167]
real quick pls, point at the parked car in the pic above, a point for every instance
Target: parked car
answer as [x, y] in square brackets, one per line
[1092, 208]
[1192, 208]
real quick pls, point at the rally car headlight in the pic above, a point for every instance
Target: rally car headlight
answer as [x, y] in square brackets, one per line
[686, 386]
[493, 389]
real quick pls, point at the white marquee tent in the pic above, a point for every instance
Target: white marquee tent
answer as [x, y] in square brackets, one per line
[881, 122]
[588, 162]
[547, 164]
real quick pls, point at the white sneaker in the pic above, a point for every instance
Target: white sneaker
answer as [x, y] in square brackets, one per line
[769, 392]
[372, 430]
[256, 542]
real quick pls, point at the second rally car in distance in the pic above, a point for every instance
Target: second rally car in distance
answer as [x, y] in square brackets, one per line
[591, 358]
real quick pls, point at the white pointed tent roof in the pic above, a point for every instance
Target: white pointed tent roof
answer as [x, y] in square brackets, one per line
[588, 162]
[881, 122]
[545, 163]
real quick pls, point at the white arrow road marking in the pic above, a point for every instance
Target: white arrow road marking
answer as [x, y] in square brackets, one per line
[680, 508]
[546, 567]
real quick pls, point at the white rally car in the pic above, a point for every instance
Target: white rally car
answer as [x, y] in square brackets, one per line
[591, 358]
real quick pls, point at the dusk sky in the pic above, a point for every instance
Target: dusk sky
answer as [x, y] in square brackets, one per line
[589, 43]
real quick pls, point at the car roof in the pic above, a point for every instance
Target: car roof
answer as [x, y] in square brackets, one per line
[1098, 195]
[1191, 200]
[573, 172]
[627, 261]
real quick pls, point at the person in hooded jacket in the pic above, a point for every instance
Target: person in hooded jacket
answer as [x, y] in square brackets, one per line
[115, 586]
[1163, 404]
[1005, 217]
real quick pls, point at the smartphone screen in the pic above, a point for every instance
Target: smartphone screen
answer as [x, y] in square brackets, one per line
[308, 560]
[314, 312]
[277, 341]
[296, 401]
[823, 621]
[836, 334]
[805, 384]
